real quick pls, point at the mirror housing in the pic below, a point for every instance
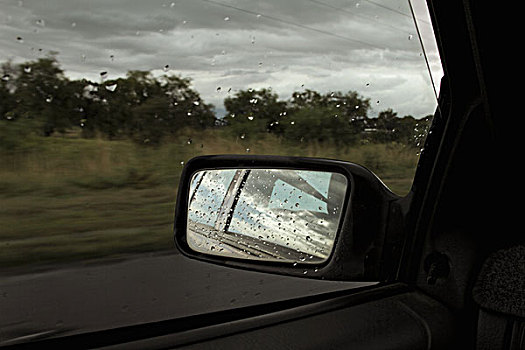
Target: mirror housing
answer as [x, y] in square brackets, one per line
[358, 244]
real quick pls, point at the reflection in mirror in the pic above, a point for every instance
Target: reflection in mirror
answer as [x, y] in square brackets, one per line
[265, 214]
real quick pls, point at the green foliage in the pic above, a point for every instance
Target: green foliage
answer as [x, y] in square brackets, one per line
[307, 117]
[255, 111]
[320, 124]
[140, 106]
[150, 110]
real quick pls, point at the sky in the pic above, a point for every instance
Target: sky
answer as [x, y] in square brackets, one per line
[368, 46]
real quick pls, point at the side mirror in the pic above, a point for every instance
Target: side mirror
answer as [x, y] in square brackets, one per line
[307, 217]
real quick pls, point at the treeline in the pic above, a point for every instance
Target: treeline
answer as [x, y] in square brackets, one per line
[37, 97]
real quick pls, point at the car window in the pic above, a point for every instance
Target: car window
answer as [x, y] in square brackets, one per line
[102, 103]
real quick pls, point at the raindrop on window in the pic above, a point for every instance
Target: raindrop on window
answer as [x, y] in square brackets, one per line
[111, 87]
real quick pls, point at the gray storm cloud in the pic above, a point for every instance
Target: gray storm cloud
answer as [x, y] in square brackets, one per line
[328, 45]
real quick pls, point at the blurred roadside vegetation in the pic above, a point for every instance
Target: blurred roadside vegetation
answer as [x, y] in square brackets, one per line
[91, 170]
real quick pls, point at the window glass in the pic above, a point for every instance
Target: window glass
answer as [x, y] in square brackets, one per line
[103, 102]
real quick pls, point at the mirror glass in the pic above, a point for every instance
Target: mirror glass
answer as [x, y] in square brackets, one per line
[265, 214]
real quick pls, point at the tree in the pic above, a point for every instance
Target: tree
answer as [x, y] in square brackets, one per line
[320, 124]
[7, 101]
[143, 107]
[255, 111]
[41, 94]
[387, 126]
[332, 116]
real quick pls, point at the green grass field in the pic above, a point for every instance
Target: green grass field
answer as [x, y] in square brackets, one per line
[70, 199]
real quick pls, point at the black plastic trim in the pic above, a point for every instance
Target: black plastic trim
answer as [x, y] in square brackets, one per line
[272, 313]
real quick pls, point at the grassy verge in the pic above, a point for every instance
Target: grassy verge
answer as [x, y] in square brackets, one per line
[74, 199]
